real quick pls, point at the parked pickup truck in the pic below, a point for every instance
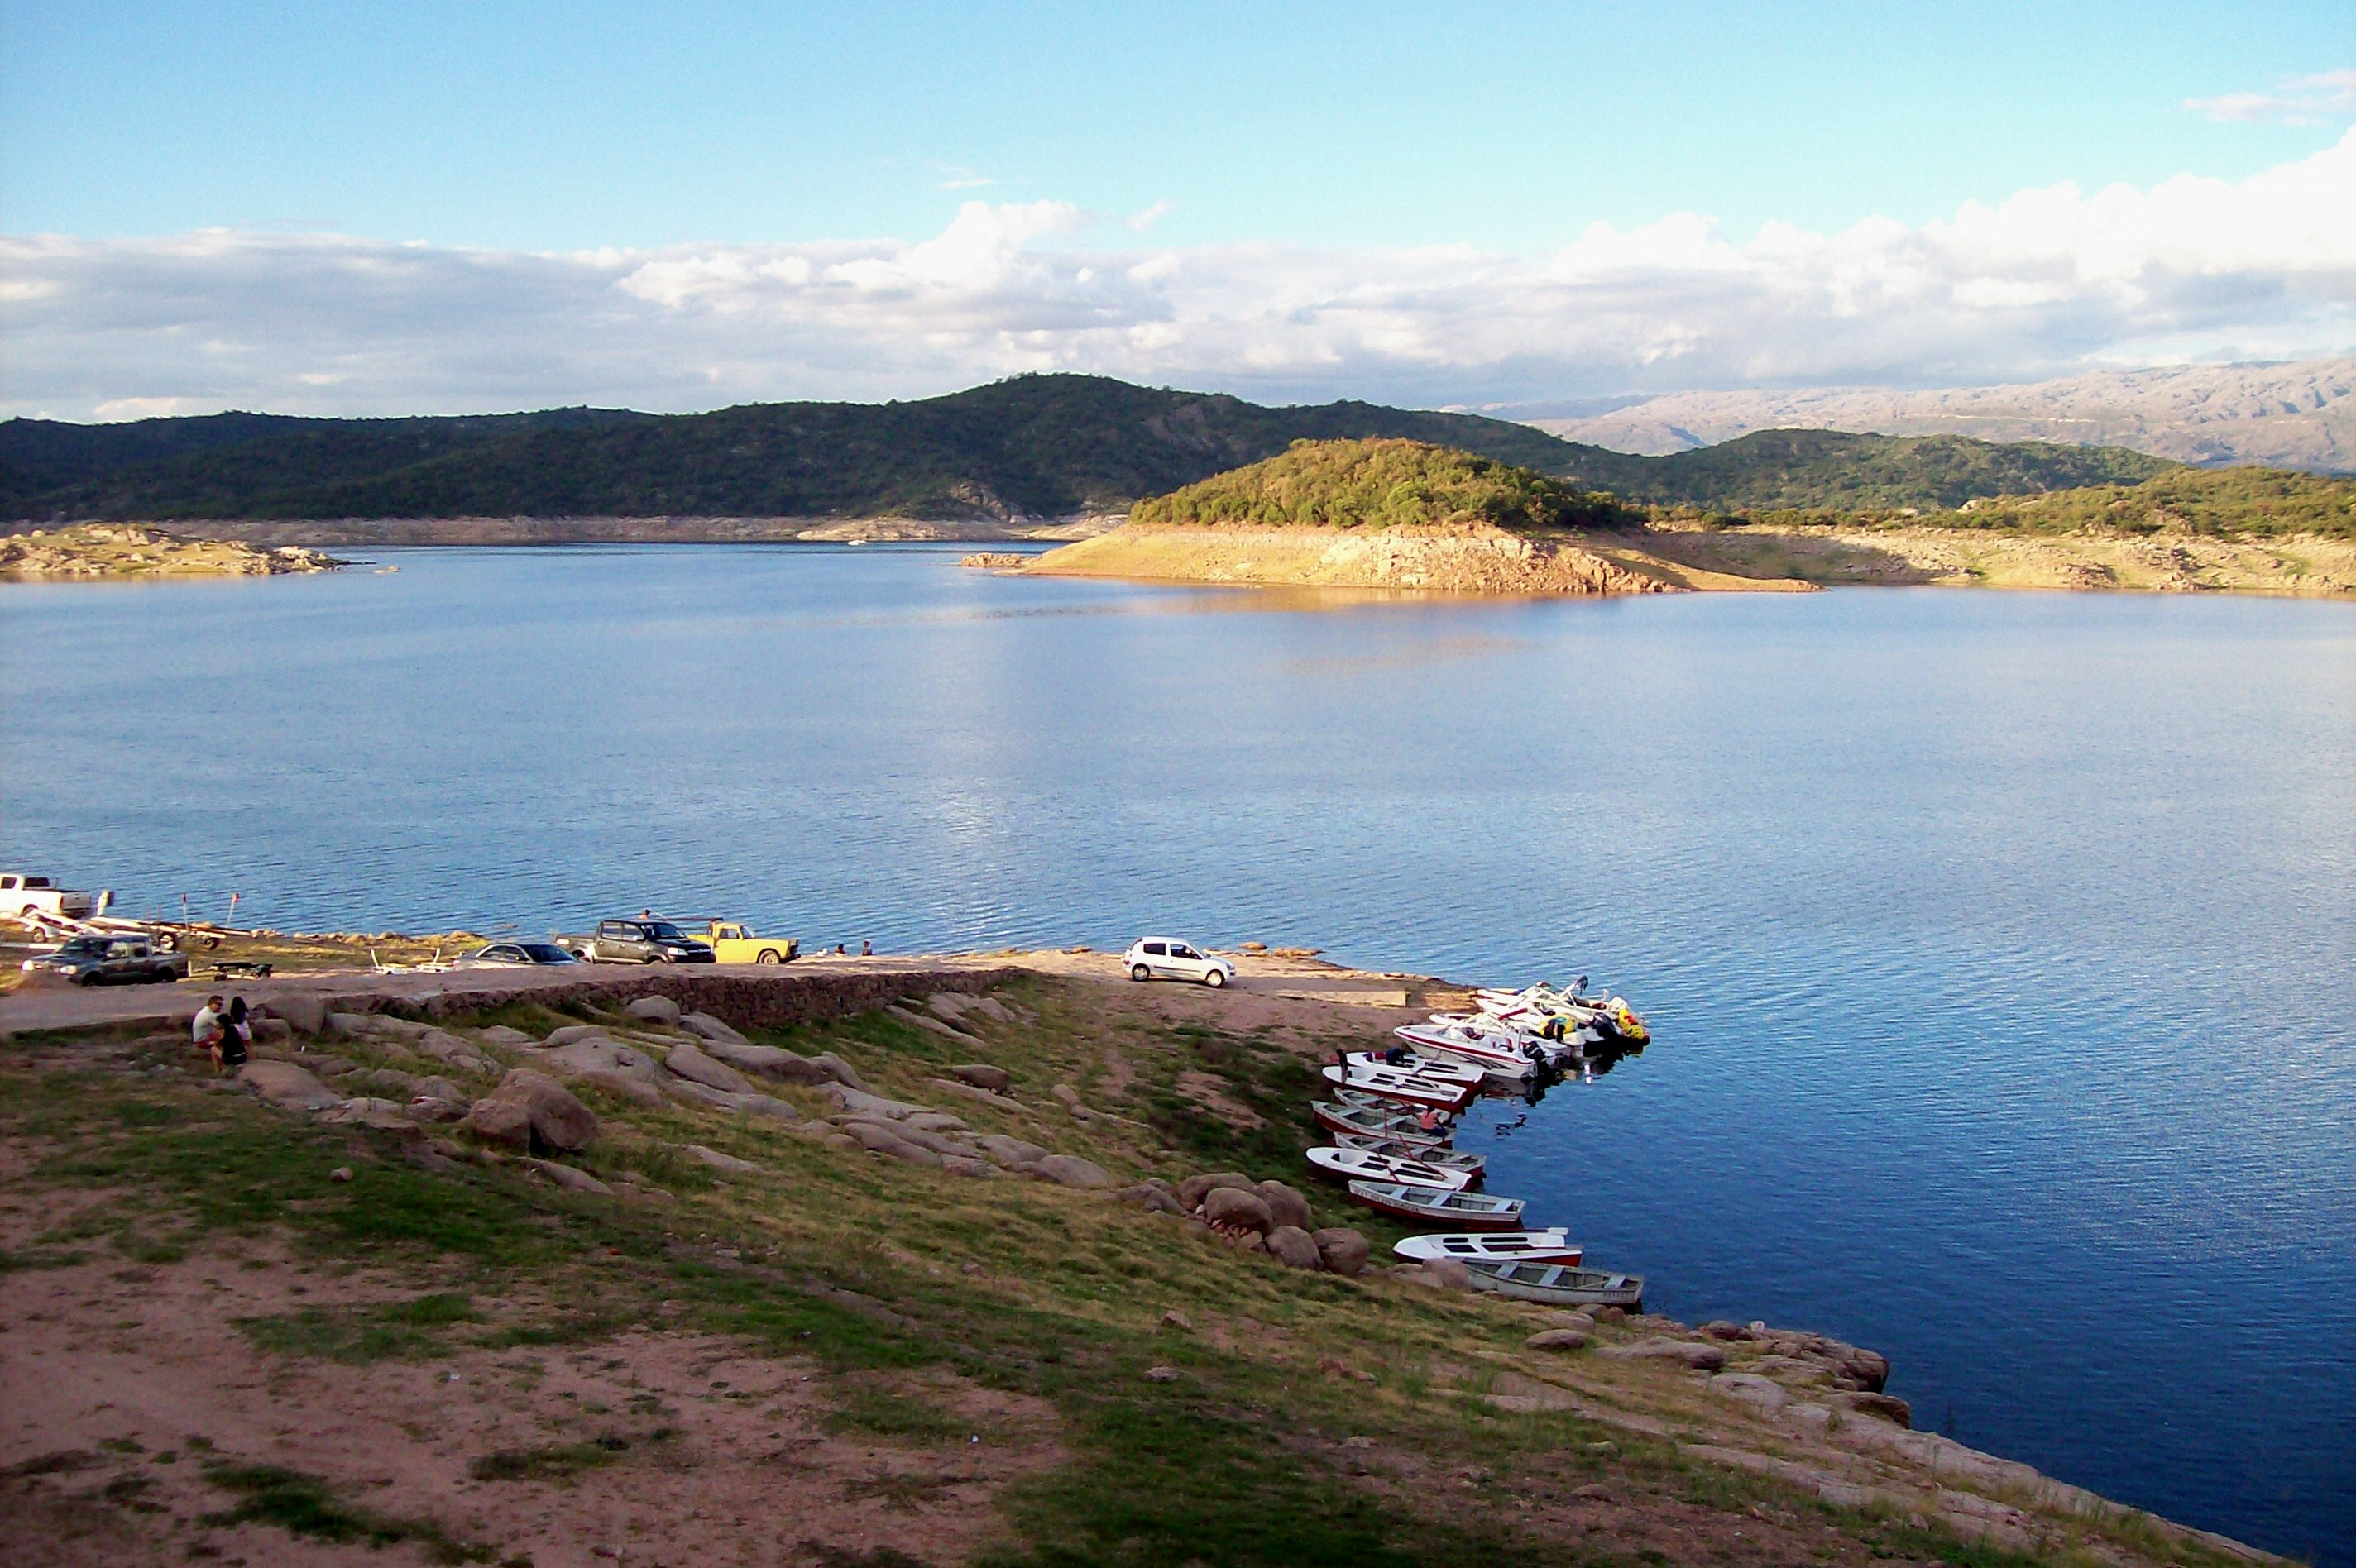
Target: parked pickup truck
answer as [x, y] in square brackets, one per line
[640, 941]
[24, 895]
[733, 941]
[109, 961]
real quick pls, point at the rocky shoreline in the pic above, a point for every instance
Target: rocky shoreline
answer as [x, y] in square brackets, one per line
[1668, 557]
[91, 551]
[861, 1147]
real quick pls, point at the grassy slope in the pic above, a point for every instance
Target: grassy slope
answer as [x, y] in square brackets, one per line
[880, 1272]
[1041, 446]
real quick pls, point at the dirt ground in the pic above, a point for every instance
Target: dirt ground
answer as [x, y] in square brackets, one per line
[124, 1384]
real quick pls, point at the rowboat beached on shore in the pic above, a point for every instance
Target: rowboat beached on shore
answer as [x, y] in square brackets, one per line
[1558, 1284]
[1371, 1115]
[1431, 1154]
[1430, 1205]
[1361, 1165]
[1408, 1087]
[1503, 1246]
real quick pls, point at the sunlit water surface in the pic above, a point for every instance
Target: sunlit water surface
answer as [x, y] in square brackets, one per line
[2001, 947]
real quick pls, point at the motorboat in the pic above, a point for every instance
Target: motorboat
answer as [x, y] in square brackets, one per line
[1401, 1148]
[1460, 1209]
[1407, 1088]
[1555, 1011]
[1502, 1246]
[1351, 1114]
[1364, 1165]
[1558, 1284]
[1426, 1067]
[1499, 1052]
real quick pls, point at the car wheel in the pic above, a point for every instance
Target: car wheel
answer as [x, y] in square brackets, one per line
[1215, 978]
[658, 958]
[767, 956]
[1140, 972]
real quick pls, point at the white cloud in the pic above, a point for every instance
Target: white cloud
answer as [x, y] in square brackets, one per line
[1139, 222]
[2316, 100]
[2041, 284]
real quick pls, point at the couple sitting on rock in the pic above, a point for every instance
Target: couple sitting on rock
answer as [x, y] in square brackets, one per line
[224, 1035]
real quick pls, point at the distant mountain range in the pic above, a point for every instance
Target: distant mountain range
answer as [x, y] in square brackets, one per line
[2294, 415]
[1036, 446]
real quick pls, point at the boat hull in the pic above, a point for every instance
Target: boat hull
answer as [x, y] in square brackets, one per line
[1403, 1204]
[1379, 1119]
[1357, 1165]
[1494, 1246]
[1558, 1285]
[1440, 1094]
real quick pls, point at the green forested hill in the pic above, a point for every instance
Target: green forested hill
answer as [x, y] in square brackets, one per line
[1034, 446]
[1383, 483]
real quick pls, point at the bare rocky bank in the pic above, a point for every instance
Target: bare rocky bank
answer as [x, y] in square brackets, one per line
[1674, 558]
[90, 550]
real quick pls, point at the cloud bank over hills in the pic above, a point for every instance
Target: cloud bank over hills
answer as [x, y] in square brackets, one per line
[2048, 282]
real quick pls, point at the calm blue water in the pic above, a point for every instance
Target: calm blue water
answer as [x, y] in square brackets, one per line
[2001, 948]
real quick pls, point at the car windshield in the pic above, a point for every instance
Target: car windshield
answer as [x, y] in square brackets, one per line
[546, 953]
[83, 947]
[664, 931]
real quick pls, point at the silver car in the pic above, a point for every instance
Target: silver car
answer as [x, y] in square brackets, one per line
[110, 961]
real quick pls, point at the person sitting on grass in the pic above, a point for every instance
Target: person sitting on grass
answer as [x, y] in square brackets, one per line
[236, 1035]
[207, 1029]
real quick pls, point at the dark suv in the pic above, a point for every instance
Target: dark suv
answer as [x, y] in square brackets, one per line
[109, 961]
[640, 942]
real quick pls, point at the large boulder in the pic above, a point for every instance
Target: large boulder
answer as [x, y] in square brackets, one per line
[1288, 1206]
[1010, 1151]
[637, 1091]
[306, 1013]
[504, 1124]
[505, 1038]
[838, 1070]
[1686, 1352]
[1343, 1249]
[557, 1120]
[1192, 1190]
[981, 1075]
[287, 1086]
[597, 1053]
[709, 1027]
[654, 1010]
[860, 1103]
[1556, 1340]
[436, 1099]
[572, 1032]
[1448, 1273]
[1151, 1198]
[1880, 1406]
[690, 1063]
[1238, 1208]
[1763, 1394]
[1070, 1171]
[1293, 1247]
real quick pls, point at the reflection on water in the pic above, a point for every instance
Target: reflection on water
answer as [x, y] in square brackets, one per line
[1999, 948]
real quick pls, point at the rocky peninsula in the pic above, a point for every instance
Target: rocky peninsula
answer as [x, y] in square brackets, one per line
[994, 1257]
[1399, 515]
[92, 551]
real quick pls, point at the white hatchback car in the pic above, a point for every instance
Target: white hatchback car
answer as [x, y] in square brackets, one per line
[1165, 958]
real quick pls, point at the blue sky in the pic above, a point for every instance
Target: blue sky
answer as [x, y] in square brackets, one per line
[387, 209]
[562, 126]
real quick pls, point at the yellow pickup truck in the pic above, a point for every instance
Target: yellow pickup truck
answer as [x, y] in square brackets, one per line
[733, 941]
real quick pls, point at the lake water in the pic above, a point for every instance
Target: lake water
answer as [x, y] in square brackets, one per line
[2000, 948]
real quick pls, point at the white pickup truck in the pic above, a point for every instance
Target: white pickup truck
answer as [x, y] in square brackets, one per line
[23, 895]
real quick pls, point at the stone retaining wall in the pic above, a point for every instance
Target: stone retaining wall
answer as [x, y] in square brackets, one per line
[741, 1001]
